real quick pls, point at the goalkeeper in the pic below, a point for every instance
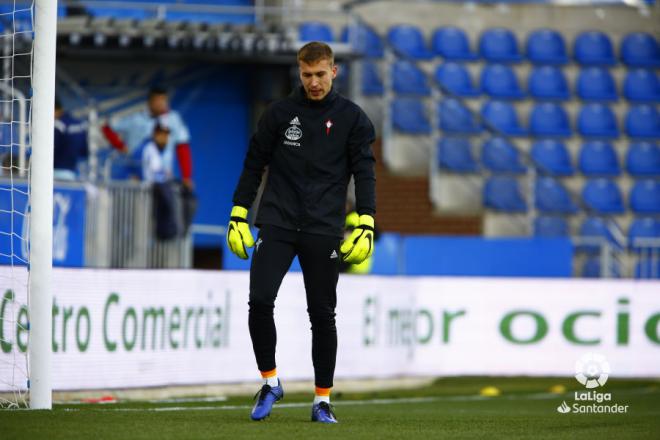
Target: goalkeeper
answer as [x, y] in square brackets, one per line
[312, 142]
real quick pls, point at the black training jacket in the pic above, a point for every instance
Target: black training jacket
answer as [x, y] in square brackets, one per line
[311, 149]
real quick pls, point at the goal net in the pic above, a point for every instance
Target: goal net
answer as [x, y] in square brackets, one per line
[25, 199]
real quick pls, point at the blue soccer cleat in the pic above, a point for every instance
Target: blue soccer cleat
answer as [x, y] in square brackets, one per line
[266, 397]
[322, 412]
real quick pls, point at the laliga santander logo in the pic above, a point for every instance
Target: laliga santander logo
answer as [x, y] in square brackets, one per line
[592, 370]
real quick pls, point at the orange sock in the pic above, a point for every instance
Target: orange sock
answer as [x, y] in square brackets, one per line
[322, 395]
[270, 377]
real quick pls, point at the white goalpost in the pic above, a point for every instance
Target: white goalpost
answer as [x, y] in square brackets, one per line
[28, 32]
[40, 293]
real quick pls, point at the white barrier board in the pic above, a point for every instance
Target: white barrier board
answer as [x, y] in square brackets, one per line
[133, 328]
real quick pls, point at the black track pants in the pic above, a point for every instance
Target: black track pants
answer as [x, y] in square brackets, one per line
[319, 259]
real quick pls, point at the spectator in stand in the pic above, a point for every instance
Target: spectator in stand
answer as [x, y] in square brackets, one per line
[70, 144]
[129, 133]
[155, 167]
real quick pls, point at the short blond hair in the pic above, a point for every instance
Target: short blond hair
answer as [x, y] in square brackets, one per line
[315, 51]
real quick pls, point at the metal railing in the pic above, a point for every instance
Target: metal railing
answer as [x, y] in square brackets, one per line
[120, 231]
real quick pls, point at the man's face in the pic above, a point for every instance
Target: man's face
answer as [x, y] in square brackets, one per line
[158, 105]
[317, 78]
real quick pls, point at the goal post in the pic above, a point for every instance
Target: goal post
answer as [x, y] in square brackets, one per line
[40, 295]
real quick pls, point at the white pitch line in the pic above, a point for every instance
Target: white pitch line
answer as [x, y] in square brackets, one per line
[536, 396]
[303, 404]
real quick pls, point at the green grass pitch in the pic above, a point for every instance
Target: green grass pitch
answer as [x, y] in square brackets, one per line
[451, 408]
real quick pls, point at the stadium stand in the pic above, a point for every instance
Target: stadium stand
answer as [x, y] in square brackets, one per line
[604, 68]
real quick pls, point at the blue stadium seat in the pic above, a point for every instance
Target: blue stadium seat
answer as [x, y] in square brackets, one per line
[603, 196]
[452, 43]
[499, 155]
[598, 158]
[371, 82]
[546, 46]
[502, 116]
[363, 40]
[593, 48]
[455, 154]
[408, 79]
[595, 229]
[456, 79]
[315, 31]
[551, 156]
[645, 197]
[409, 116]
[641, 85]
[499, 81]
[551, 227]
[502, 193]
[640, 49]
[643, 159]
[552, 198]
[387, 251]
[549, 119]
[499, 45]
[597, 121]
[645, 269]
[409, 40]
[643, 122]
[591, 267]
[457, 118]
[643, 228]
[548, 82]
[596, 84]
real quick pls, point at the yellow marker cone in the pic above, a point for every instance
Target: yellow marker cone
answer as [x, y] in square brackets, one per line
[557, 389]
[490, 392]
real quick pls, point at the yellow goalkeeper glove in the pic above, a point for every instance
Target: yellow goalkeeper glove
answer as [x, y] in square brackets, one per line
[239, 237]
[360, 245]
